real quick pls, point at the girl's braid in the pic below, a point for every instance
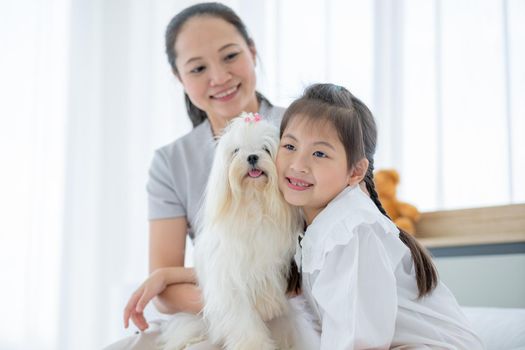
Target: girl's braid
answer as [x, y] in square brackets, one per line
[371, 188]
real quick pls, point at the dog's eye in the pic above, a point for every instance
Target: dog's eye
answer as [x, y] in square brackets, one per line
[267, 150]
[235, 151]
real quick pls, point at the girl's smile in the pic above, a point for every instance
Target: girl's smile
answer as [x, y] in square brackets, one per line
[298, 185]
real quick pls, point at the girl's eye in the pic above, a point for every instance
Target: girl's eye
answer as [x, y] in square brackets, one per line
[319, 154]
[289, 147]
[197, 70]
[267, 150]
[231, 56]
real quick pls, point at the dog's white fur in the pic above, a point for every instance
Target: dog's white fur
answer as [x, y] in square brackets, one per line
[243, 252]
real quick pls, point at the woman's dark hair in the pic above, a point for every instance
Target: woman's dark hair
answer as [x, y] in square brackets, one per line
[352, 119]
[210, 9]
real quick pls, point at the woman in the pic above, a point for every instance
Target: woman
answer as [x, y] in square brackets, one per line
[212, 55]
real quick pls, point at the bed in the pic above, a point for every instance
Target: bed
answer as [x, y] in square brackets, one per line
[499, 328]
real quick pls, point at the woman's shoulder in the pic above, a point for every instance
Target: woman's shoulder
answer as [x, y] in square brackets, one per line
[190, 143]
[273, 113]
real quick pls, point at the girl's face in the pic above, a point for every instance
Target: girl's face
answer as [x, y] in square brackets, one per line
[216, 68]
[312, 165]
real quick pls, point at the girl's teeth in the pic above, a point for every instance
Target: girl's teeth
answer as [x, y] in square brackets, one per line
[302, 184]
[227, 92]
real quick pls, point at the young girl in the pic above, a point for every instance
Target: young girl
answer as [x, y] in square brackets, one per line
[370, 285]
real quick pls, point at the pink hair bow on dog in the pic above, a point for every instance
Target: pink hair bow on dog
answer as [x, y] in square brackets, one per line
[252, 118]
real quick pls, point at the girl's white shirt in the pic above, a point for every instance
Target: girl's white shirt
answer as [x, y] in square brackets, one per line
[359, 279]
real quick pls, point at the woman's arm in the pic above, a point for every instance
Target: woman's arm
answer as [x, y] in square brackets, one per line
[155, 284]
[167, 243]
[170, 284]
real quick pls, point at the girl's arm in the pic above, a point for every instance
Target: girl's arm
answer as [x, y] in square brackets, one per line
[356, 291]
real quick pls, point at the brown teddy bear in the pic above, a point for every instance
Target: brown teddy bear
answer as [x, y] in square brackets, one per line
[402, 214]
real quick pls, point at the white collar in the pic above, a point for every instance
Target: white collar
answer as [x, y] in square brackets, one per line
[350, 208]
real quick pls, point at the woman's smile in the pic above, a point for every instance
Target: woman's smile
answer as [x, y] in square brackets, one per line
[217, 69]
[226, 95]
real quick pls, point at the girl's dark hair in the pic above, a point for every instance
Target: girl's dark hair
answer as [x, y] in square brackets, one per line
[210, 9]
[357, 132]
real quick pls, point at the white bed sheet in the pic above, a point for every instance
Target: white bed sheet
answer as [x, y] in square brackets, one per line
[499, 328]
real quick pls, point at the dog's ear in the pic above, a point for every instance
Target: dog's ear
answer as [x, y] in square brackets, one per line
[218, 192]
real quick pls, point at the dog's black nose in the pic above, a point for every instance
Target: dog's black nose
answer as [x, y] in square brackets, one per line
[252, 159]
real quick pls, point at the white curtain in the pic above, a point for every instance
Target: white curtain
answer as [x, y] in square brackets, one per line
[444, 78]
[33, 94]
[462, 107]
[124, 103]
[87, 95]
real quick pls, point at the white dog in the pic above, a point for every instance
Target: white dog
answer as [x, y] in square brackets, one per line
[243, 253]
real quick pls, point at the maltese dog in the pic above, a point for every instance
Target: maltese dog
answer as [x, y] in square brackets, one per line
[244, 251]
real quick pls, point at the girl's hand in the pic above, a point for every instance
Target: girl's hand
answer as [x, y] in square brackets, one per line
[154, 285]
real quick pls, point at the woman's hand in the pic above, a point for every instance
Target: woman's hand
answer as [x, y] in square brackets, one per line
[154, 285]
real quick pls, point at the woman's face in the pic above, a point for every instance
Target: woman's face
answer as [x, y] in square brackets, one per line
[216, 67]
